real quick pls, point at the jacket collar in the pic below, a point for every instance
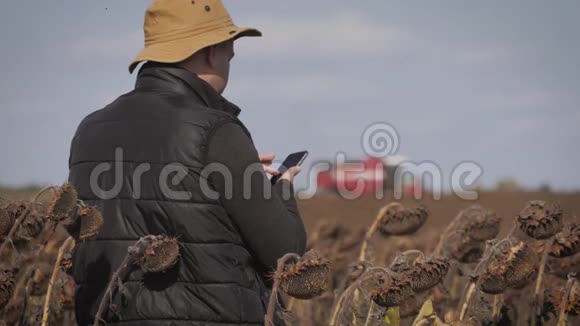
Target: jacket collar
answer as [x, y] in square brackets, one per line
[179, 80]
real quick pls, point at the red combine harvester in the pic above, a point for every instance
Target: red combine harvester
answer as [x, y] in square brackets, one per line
[361, 177]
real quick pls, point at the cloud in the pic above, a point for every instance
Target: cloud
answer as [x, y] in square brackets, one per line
[336, 34]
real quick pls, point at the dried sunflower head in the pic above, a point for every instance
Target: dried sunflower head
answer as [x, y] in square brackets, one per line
[7, 285]
[540, 220]
[567, 242]
[91, 222]
[427, 273]
[514, 268]
[15, 209]
[493, 279]
[463, 248]
[493, 283]
[398, 220]
[6, 222]
[521, 265]
[86, 224]
[306, 278]
[64, 203]
[8, 215]
[161, 256]
[30, 227]
[553, 301]
[392, 290]
[479, 223]
[561, 267]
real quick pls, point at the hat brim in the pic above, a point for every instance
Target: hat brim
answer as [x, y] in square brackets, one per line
[179, 50]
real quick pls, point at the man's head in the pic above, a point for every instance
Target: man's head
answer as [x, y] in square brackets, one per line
[198, 35]
[212, 64]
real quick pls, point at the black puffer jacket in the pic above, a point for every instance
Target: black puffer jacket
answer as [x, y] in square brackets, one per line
[163, 121]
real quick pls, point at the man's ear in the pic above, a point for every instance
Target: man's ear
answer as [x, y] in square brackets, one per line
[210, 56]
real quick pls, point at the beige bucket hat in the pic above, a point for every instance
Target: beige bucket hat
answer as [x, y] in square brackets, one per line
[176, 29]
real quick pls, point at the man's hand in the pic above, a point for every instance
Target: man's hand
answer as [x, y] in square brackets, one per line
[291, 173]
[266, 160]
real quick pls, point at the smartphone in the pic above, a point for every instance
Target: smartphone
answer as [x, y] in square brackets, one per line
[294, 159]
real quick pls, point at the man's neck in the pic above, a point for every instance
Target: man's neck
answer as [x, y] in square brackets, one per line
[210, 79]
[202, 74]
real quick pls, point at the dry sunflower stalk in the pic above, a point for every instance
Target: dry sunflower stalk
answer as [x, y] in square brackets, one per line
[303, 277]
[154, 254]
[51, 306]
[26, 247]
[61, 300]
[540, 220]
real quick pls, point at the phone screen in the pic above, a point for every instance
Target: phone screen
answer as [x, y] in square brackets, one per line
[294, 159]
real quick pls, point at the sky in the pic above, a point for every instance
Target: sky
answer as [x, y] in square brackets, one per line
[493, 82]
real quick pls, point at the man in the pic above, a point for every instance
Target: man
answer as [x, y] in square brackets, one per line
[171, 158]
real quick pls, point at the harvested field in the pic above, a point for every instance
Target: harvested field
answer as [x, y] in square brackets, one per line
[478, 274]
